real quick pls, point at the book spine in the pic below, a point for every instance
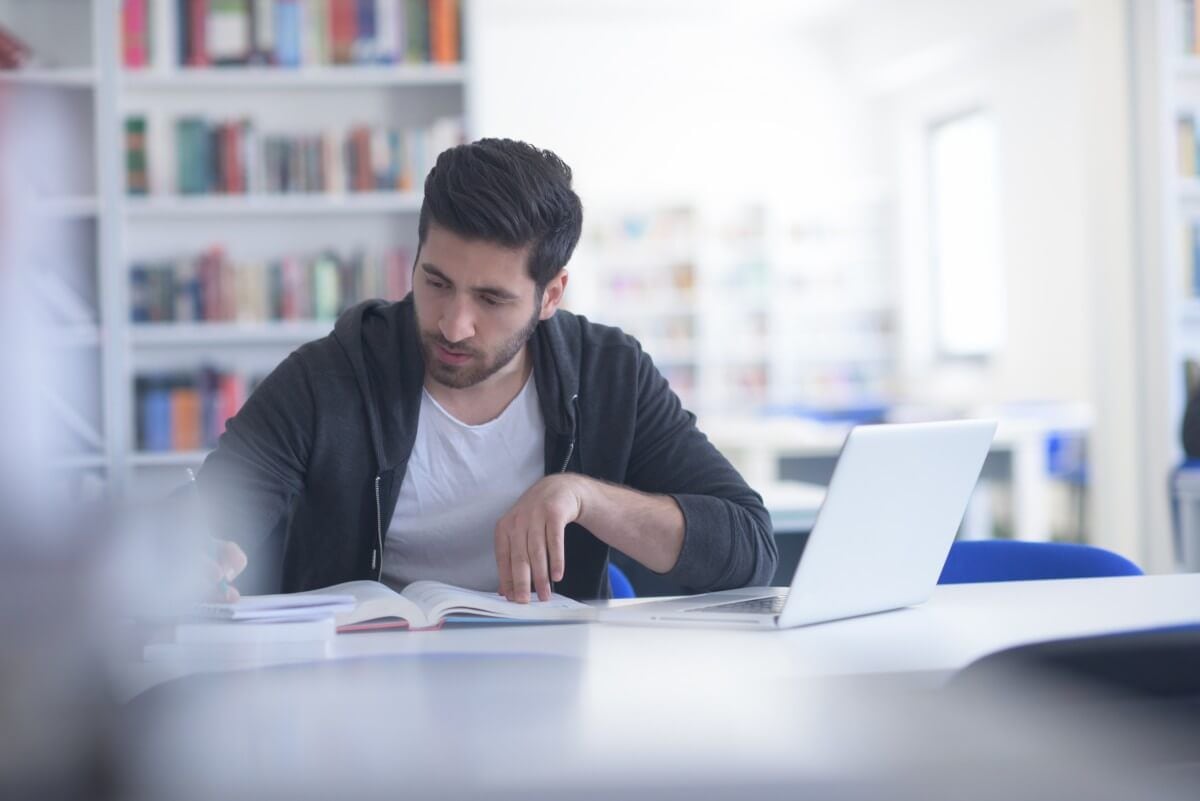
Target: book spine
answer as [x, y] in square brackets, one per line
[443, 31]
[136, 174]
[133, 33]
[416, 25]
[365, 34]
[197, 28]
[387, 31]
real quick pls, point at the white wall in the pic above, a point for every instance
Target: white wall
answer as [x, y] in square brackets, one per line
[1031, 87]
[669, 100]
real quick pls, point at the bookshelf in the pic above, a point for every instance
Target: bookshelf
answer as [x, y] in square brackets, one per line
[329, 85]
[749, 307]
[56, 105]
[1177, 54]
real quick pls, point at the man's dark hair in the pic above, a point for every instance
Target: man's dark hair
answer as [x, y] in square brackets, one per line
[509, 193]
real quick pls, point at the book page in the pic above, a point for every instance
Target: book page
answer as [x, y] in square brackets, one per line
[376, 600]
[439, 600]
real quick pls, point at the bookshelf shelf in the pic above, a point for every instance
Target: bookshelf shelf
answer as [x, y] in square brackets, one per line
[205, 206]
[66, 78]
[166, 458]
[226, 334]
[299, 79]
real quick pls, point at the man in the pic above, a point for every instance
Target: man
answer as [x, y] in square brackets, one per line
[476, 434]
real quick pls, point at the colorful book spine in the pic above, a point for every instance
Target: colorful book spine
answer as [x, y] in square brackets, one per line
[416, 26]
[135, 32]
[137, 179]
[444, 31]
[288, 33]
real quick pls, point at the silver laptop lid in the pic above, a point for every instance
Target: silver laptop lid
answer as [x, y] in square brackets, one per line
[895, 501]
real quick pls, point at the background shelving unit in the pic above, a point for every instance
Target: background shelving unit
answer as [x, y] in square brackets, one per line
[84, 94]
[1179, 68]
[748, 308]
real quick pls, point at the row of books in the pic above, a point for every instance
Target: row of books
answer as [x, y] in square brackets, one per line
[235, 157]
[212, 288]
[187, 411]
[294, 33]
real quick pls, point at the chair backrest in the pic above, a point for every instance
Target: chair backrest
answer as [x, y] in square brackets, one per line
[973, 561]
[621, 586]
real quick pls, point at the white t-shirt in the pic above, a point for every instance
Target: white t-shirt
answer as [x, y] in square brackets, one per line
[461, 480]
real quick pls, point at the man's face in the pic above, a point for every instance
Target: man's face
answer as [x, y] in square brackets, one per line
[476, 307]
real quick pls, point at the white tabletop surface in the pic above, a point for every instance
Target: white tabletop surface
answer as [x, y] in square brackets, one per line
[593, 711]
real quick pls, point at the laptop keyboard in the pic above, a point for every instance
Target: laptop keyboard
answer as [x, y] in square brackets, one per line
[770, 605]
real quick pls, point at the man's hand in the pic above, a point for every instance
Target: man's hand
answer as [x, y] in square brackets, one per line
[529, 538]
[224, 563]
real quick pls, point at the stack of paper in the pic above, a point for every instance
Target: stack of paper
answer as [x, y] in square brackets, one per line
[296, 606]
[255, 628]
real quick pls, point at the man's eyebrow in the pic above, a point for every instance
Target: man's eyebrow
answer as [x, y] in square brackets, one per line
[495, 291]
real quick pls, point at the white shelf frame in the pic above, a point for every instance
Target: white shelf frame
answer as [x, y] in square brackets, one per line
[288, 332]
[278, 205]
[297, 79]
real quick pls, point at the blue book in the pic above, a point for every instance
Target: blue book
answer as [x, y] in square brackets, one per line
[287, 33]
[156, 417]
[364, 42]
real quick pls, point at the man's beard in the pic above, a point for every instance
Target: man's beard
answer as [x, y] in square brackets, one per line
[480, 368]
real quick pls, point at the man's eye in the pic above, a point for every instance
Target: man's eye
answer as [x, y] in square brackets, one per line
[436, 284]
[490, 301]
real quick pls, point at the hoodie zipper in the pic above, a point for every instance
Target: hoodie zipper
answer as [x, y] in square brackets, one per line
[376, 561]
[574, 427]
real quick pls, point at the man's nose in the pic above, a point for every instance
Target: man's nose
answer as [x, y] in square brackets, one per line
[457, 323]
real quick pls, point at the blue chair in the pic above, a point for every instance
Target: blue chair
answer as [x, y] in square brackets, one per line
[621, 587]
[975, 561]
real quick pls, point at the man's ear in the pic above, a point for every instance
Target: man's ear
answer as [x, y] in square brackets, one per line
[553, 294]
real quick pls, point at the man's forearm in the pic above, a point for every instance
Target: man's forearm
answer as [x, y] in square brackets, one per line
[648, 528]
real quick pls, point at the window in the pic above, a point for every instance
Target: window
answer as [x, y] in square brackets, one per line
[968, 286]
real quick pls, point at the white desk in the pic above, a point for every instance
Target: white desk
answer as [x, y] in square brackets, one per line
[600, 711]
[960, 624]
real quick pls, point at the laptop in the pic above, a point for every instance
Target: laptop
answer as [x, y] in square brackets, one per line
[880, 540]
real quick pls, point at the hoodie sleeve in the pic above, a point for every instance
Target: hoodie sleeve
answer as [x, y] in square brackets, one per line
[728, 541]
[248, 482]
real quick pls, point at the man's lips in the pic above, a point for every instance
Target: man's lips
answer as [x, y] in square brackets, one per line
[450, 356]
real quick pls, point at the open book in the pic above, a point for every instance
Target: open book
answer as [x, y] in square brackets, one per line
[426, 604]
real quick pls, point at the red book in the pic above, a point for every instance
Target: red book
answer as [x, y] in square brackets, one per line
[231, 393]
[197, 24]
[343, 30]
[443, 31]
[133, 33]
[231, 159]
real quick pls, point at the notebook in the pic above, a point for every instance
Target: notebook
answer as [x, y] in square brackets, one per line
[881, 537]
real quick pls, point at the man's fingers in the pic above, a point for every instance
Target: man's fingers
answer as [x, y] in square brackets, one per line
[537, 561]
[504, 560]
[520, 568]
[557, 553]
[231, 560]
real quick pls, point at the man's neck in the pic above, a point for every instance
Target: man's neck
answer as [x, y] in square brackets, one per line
[486, 400]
